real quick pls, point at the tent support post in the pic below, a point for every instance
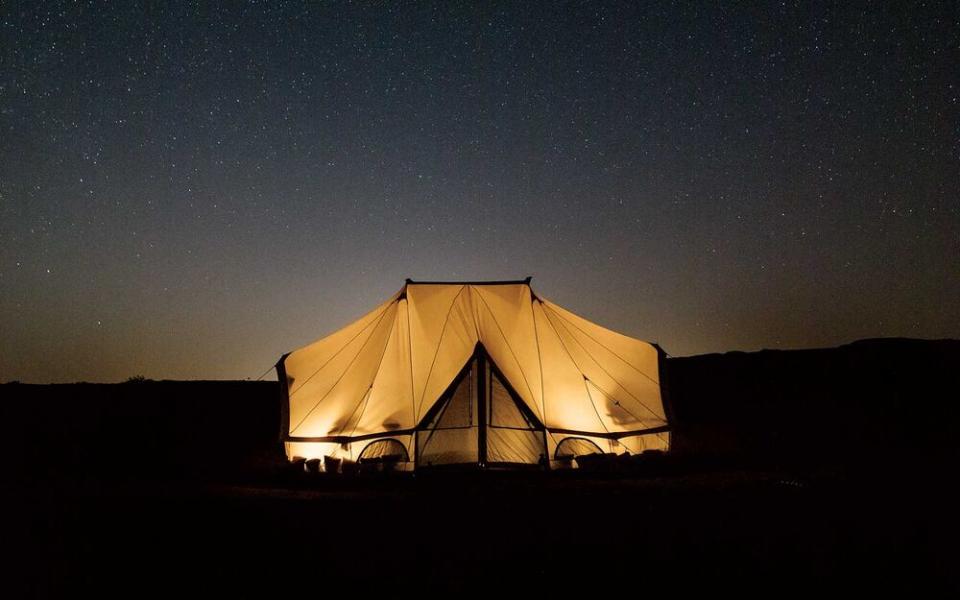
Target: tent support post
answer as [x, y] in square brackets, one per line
[665, 399]
[416, 450]
[546, 451]
[482, 404]
[284, 400]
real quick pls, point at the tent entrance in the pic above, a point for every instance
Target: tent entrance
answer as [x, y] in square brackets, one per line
[480, 420]
[450, 435]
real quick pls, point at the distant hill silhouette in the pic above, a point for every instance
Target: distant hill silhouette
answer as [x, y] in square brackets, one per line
[869, 403]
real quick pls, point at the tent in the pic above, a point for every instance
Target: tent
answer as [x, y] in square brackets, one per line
[482, 373]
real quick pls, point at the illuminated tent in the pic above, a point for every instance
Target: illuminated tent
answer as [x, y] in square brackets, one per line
[482, 373]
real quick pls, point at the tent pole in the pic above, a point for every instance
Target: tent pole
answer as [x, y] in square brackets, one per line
[665, 399]
[546, 450]
[482, 404]
[284, 400]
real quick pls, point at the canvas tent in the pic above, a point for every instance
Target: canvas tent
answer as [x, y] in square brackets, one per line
[479, 373]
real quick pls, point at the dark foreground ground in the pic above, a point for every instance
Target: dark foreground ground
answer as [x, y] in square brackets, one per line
[725, 531]
[815, 471]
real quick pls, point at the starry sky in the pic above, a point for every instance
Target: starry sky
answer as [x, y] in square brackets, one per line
[190, 190]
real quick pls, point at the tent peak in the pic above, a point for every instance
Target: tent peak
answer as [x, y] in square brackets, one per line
[526, 281]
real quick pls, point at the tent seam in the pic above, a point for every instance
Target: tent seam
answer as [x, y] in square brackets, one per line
[536, 337]
[582, 376]
[413, 400]
[436, 352]
[593, 403]
[614, 379]
[605, 347]
[335, 354]
[507, 342]
[339, 379]
[366, 398]
[615, 401]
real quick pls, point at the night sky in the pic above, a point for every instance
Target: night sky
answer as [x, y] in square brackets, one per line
[190, 191]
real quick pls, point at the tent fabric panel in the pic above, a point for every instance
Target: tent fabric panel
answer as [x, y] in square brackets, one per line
[637, 355]
[593, 371]
[506, 329]
[454, 347]
[618, 413]
[428, 310]
[448, 446]
[308, 359]
[452, 436]
[308, 382]
[503, 409]
[460, 409]
[567, 405]
[514, 446]
[349, 426]
[335, 411]
[390, 406]
[511, 437]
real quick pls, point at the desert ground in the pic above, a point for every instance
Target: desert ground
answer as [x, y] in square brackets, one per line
[791, 471]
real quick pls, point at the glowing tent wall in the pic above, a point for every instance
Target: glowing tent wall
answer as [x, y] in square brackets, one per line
[382, 375]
